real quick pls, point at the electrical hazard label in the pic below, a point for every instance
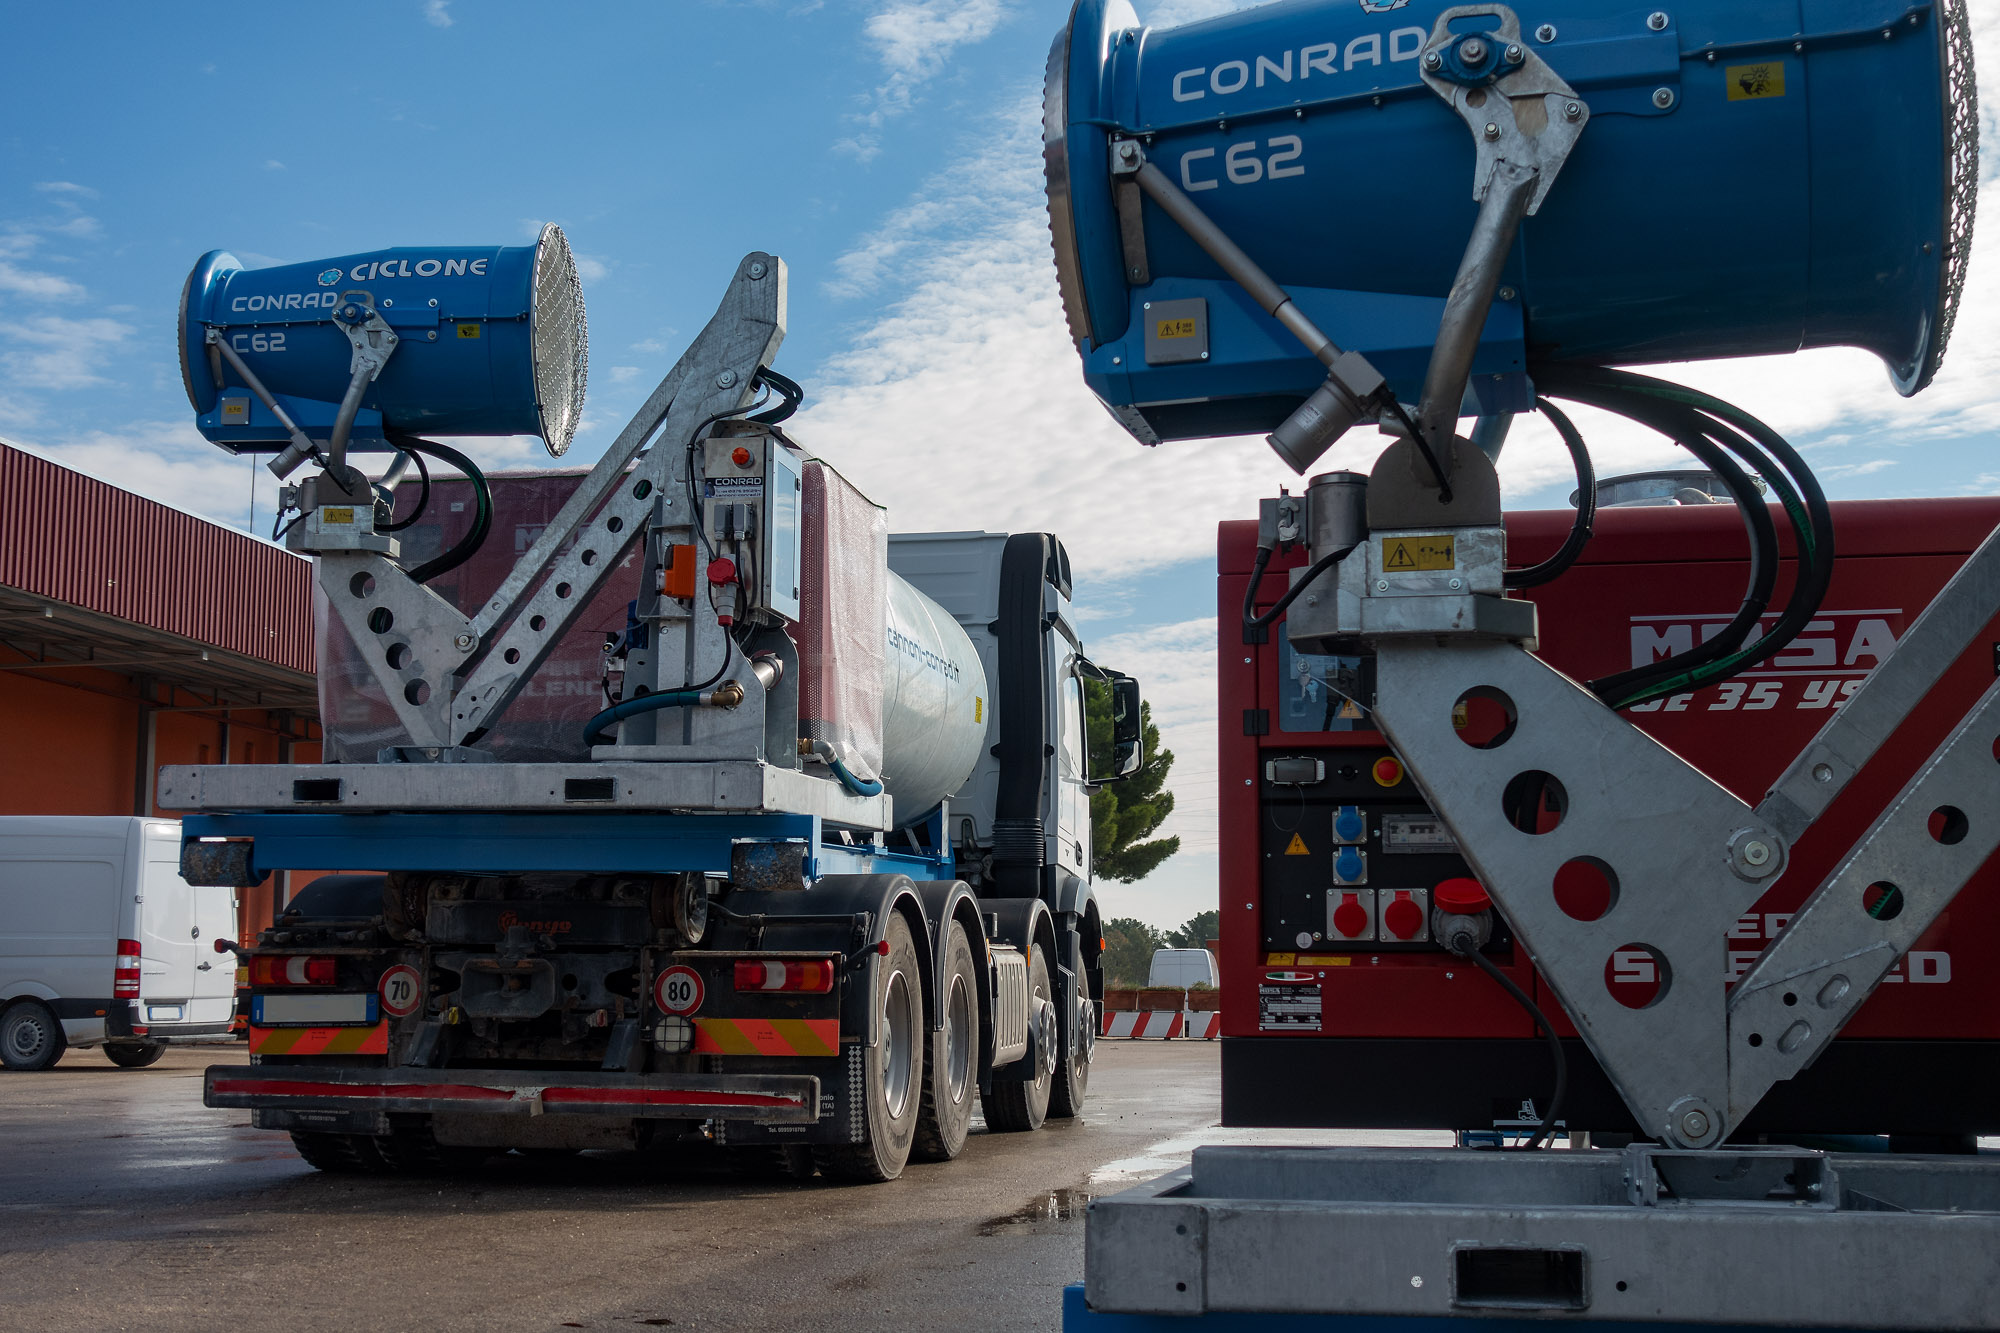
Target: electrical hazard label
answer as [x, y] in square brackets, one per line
[1177, 328]
[1413, 555]
[468, 330]
[1297, 847]
[1746, 83]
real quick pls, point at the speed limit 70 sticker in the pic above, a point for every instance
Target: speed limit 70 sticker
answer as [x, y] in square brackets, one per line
[402, 991]
[678, 990]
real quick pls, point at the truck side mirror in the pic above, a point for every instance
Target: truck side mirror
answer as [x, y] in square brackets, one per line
[1128, 732]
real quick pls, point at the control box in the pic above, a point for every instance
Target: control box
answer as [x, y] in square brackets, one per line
[1340, 1007]
[751, 496]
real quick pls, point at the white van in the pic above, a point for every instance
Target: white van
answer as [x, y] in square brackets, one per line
[1182, 968]
[102, 943]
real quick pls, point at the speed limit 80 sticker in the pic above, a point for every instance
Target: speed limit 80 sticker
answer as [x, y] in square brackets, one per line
[678, 990]
[402, 991]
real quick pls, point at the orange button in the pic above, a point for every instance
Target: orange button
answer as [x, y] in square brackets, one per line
[677, 577]
[1388, 772]
[740, 456]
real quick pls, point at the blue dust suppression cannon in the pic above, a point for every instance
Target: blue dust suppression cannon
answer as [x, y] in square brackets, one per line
[1266, 221]
[448, 340]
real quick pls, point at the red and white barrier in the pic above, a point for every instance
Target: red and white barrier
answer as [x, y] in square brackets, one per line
[1161, 1024]
[1153, 1023]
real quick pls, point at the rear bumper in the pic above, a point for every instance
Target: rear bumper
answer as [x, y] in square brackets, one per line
[775, 1099]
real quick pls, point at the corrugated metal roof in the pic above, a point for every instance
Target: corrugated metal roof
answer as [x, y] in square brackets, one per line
[74, 539]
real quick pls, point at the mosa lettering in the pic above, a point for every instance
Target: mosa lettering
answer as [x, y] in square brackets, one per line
[1821, 668]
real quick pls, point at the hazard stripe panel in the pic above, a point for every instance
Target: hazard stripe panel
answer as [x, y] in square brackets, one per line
[767, 1036]
[1163, 1024]
[320, 1041]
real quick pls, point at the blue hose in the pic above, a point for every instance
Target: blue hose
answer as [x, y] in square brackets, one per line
[645, 703]
[849, 781]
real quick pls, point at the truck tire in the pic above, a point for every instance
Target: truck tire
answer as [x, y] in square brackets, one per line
[893, 1073]
[1017, 1105]
[1072, 1077]
[952, 1072]
[31, 1038]
[134, 1054]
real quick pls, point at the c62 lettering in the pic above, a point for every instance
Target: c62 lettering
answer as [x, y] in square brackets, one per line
[1244, 163]
[258, 342]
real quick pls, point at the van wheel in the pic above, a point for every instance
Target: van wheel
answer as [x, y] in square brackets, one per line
[134, 1054]
[952, 1073]
[893, 1073]
[1016, 1105]
[30, 1037]
[1079, 1043]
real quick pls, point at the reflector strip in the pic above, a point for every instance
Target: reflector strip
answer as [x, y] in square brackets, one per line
[470, 1092]
[767, 1036]
[320, 1041]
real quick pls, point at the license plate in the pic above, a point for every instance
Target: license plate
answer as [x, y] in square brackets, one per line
[268, 1011]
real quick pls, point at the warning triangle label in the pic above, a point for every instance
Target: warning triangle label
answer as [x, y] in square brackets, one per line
[1399, 558]
[1296, 847]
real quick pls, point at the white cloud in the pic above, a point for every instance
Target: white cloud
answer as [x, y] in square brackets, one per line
[40, 286]
[592, 269]
[437, 13]
[915, 40]
[70, 188]
[50, 352]
[273, 164]
[170, 462]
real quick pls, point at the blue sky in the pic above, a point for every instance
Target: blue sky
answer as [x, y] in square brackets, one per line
[885, 148]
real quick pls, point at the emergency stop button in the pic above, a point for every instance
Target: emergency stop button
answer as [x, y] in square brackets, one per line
[1388, 771]
[1461, 897]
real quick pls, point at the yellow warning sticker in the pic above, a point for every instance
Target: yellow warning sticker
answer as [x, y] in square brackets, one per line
[1175, 328]
[1410, 555]
[1324, 960]
[978, 709]
[468, 330]
[1278, 959]
[1296, 847]
[330, 515]
[1748, 82]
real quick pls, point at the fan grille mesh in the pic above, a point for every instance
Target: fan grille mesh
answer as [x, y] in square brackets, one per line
[561, 340]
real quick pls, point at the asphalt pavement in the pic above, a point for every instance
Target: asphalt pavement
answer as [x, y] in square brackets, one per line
[126, 1204]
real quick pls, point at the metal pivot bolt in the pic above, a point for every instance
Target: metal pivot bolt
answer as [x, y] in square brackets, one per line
[1546, 33]
[1433, 61]
[727, 379]
[1572, 110]
[1492, 130]
[1694, 1124]
[757, 269]
[1514, 55]
[1472, 51]
[1657, 20]
[1128, 152]
[464, 643]
[1754, 854]
[1663, 98]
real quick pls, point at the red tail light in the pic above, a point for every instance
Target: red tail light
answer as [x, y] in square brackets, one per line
[294, 970]
[125, 980]
[814, 976]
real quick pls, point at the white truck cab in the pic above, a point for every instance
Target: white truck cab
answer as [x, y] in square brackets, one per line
[102, 943]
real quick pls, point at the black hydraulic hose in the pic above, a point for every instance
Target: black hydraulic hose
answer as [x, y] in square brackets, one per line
[1620, 686]
[1547, 1128]
[482, 519]
[1692, 431]
[788, 389]
[1799, 492]
[423, 496]
[1254, 621]
[1586, 507]
[1423, 445]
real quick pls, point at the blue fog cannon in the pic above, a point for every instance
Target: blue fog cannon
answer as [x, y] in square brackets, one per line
[363, 349]
[1267, 221]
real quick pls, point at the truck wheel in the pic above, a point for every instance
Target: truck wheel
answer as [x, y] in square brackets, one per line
[337, 1154]
[893, 1073]
[951, 1074]
[134, 1054]
[30, 1037]
[1072, 1077]
[1015, 1105]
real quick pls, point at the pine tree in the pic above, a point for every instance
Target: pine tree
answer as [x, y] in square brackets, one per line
[1123, 815]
